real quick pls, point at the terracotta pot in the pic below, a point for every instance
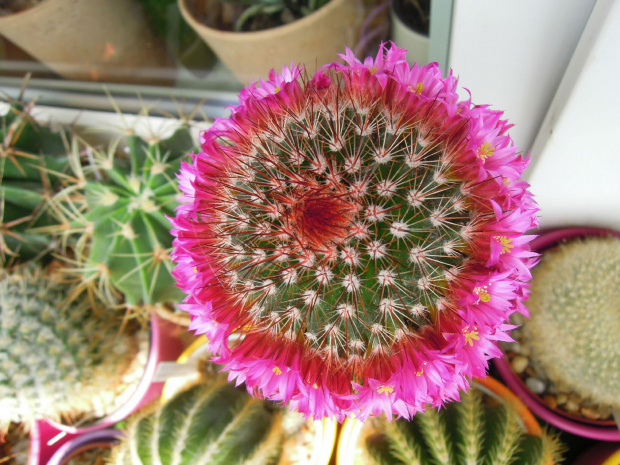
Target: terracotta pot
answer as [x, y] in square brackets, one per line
[325, 430]
[593, 429]
[353, 431]
[95, 439]
[90, 40]
[47, 436]
[314, 40]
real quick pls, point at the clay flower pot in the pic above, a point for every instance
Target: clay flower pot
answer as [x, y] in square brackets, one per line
[314, 40]
[90, 40]
[48, 436]
[602, 430]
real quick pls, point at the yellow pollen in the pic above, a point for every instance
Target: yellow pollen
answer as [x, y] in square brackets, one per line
[277, 371]
[387, 390]
[506, 243]
[485, 151]
[420, 373]
[373, 70]
[278, 89]
[419, 88]
[470, 336]
[482, 294]
[195, 269]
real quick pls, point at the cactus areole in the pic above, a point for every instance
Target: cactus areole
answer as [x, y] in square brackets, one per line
[362, 230]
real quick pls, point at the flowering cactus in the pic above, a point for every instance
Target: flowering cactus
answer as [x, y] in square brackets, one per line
[362, 231]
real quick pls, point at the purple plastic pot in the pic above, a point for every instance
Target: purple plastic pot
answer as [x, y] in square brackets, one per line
[593, 429]
[47, 436]
[83, 442]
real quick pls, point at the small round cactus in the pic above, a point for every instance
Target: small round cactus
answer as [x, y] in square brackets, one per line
[574, 326]
[475, 430]
[363, 231]
[212, 423]
[58, 359]
[113, 212]
[32, 155]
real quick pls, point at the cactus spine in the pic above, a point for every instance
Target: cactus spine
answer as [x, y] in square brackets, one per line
[575, 320]
[31, 156]
[113, 210]
[213, 423]
[473, 431]
[56, 360]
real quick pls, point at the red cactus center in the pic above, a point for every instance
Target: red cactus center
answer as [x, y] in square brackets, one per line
[319, 218]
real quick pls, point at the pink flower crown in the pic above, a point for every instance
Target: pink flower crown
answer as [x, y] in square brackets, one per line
[352, 243]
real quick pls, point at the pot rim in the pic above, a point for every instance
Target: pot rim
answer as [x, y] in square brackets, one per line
[86, 441]
[593, 429]
[242, 37]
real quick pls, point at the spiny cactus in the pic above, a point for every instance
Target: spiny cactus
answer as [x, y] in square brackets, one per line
[363, 230]
[212, 423]
[113, 211]
[56, 360]
[31, 156]
[473, 431]
[574, 324]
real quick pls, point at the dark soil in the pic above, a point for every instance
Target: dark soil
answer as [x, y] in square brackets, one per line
[414, 13]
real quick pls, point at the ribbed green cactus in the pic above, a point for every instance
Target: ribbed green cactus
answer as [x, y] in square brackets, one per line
[214, 423]
[471, 432]
[113, 211]
[574, 329]
[58, 359]
[31, 153]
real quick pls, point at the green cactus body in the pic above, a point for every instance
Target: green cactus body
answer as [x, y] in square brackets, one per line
[213, 423]
[574, 325]
[115, 210]
[57, 361]
[31, 154]
[477, 430]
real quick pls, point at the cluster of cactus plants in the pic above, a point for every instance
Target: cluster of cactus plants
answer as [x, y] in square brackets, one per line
[475, 430]
[574, 320]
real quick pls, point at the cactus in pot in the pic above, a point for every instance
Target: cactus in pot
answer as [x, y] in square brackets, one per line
[213, 422]
[362, 230]
[32, 156]
[113, 210]
[475, 430]
[59, 358]
[571, 337]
